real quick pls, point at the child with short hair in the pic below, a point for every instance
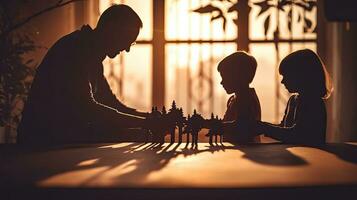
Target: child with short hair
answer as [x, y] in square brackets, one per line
[304, 121]
[237, 71]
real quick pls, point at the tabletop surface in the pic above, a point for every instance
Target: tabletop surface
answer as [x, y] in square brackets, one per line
[169, 166]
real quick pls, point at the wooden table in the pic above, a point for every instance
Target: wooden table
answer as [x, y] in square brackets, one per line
[139, 170]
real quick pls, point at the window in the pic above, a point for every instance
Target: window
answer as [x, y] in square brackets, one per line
[197, 35]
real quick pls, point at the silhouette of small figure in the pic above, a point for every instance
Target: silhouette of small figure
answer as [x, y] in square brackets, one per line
[211, 129]
[215, 129]
[187, 129]
[173, 116]
[180, 124]
[163, 111]
[304, 121]
[147, 132]
[243, 107]
[166, 129]
[70, 99]
[196, 123]
[155, 116]
[218, 130]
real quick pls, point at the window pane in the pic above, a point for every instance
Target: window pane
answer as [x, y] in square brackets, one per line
[264, 80]
[296, 21]
[130, 77]
[192, 79]
[144, 10]
[184, 24]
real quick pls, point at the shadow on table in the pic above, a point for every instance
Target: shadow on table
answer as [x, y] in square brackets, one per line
[135, 161]
[344, 151]
[278, 153]
[271, 154]
[132, 162]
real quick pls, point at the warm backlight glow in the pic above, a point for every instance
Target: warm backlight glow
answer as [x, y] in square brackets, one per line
[131, 78]
[88, 162]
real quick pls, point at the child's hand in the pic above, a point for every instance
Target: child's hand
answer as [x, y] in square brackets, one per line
[242, 130]
[229, 127]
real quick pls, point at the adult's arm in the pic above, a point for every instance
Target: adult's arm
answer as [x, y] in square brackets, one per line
[103, 94]
[92, 110]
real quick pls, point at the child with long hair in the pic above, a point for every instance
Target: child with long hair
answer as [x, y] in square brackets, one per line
[304, 121]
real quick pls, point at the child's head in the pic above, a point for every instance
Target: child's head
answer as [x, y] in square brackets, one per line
[304, 72]
[237, 71]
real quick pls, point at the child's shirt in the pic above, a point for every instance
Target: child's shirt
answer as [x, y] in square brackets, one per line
[304, 121]
[244, 107]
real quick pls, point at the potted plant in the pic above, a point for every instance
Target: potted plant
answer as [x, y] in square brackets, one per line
[15, 79]
[16, 72]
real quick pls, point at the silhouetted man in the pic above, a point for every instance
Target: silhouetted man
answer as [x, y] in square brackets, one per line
[70, 99]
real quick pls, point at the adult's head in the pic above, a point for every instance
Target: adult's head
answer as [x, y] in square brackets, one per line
[118, 27]
[237, 71]
[303, 72]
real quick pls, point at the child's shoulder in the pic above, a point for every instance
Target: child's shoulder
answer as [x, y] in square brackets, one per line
[252, 96]
[293, 98]
[231, 100]
[248, 98]
[252, 92]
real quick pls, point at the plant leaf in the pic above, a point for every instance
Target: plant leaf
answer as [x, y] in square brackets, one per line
[264, 6]
[307, 25]
[311, 5]
[266, 25]
[276, 34]
[224, 24]
[283, 3]
[235, 21]
[290, 20]
[219, 15]
[207, 9]
[314, 30]
[233, 8]
[302, 5]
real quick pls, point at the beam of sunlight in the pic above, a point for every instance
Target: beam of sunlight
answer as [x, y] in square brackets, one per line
[73, 178]
[114, 146]
[112, 176]
[88, 162]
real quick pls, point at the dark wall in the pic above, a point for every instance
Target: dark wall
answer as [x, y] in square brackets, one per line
[337, 46]
[346, 86]
[49, 27]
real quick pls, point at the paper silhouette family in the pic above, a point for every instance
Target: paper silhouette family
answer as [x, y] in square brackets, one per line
[71, 101]
[190, 125]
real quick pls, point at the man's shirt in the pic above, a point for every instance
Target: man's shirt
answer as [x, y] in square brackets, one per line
[69, 93]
